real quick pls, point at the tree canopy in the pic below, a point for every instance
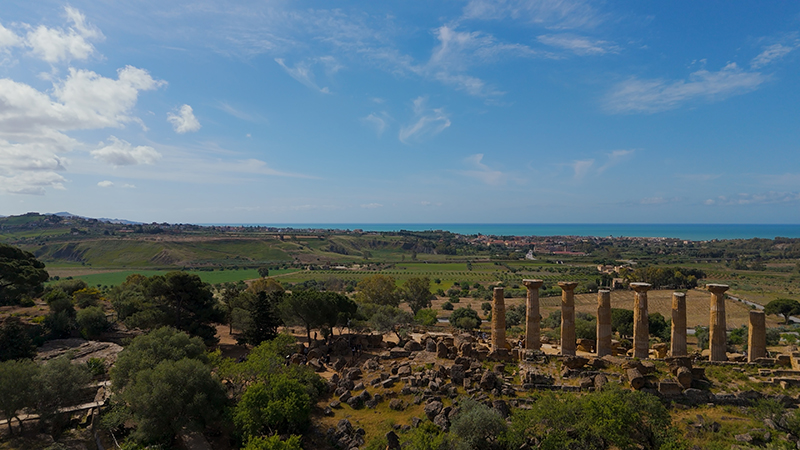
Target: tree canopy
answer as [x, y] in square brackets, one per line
[417, 293]
[379, 289]
[785, 307]
[21, 275]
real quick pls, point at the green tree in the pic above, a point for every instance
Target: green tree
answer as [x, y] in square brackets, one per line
[17, 389]
[465, 318]
[86, 297]
[15, 343]
[173, 395]
[304, 308]
[274, 443]
[264, 317]
[622, 321]
[278, 407]
[187, 303]
[477, 426]
[384, 319]
[21, 275]
[783, 307]
[92, 321]
[378, 289]
[426, 317]
[659, 327]
[148, 350]
[58, 384]
[701, 333]
[263, 271]
[417, 293]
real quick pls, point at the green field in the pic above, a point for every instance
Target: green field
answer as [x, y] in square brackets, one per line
[217, 276]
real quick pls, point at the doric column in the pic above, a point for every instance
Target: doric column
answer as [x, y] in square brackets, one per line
[532, 316]
[498, 320]
[568, 317]
[757, 336]
[717, 327]
[603, 322]
[641, 325]
[678, 338]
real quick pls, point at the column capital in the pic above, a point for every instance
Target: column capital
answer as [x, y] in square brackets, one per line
[717, 288]
[641, 287]
[533, 284]
[568, 285]
[498, 288]
[603, 291]
[679, 294]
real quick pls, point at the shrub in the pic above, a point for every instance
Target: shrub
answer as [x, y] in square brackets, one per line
[447, 306]
[426, 317]
[477, 426]
[465, 318]
[92, 321]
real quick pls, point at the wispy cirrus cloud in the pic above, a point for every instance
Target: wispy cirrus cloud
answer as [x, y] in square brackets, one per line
[775, 52]
[579, 45]
[581, 168]
[425, 123]
[650, 96]
[771, 197]
[378, 121]
[372, 206]
[303, 73]
[561, 14]
[481, 171]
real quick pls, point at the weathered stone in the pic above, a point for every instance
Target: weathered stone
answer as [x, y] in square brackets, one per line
[388, 383]
[600, 380]
[585, 382]
[502, 408]
[370, 365]
[498, 319]
[441, 350]
[339, 364]
[371, 403]
[335, 404]
[661, 349]
[635, 378]
[404, 371]
[327, 411]
[412, 346]
[532, 315]
[678, 331]
[669, 388]
[432, 409]
[415, 421]
[684, 377]
[397, 404]
[430, 345]
[717, 325]
[358, 386]
[567, 317]
[603, 322]
[344, 427]
[757, 336]
[457, 373]
[641, 326]
[441, 421]
[345, 397]
[746, 438]
[574, 362]
[488, 381]
[392, 441]
[647, 367]
[398, 352]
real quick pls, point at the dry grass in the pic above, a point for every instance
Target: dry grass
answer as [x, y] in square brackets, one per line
[660, 301]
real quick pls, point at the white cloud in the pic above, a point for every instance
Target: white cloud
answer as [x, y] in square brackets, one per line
[581, 167]
[770, 54]
[650, 96]
[377, 121]
[372, 206]
[771, 197]
[483, 172]
[33, 123]
[548, 13]
[426, 122]
[185, 122]
[55, 44]
[129, 186]
[105, 184]
[578, 44]
[8, 39]
[121, 153]
[303, 73]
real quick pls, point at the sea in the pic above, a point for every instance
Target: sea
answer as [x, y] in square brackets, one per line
[692, 232]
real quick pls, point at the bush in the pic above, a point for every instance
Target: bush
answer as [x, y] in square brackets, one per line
[274, 443]
[552, 321]
[447, 306]
[477, 426]
[280, 406]
[465, 318]
[92, 321]
[86, 297]
[426, 317]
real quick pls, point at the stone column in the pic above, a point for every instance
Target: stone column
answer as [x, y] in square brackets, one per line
[498, 320]
[603, 322]
[641, 325]
[678, 338]
[568, 317]
[757, 336]
[717, 327]
[532, 316]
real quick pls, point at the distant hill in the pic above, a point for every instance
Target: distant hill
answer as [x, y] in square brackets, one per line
[102, 219]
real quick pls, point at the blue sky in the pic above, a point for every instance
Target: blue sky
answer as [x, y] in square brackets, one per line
[476, 111]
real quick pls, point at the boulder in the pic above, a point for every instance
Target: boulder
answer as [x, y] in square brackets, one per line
[574, 362]
[432, 409]
[392, 441]
[404, 370]
[684, 376]
[635, 378]
[397, 404]
[502, 408]
[441, 350]
[457, 374]
[669, 388]
[488, 381]
[412, 346]
[430, 345]
[600, 380]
